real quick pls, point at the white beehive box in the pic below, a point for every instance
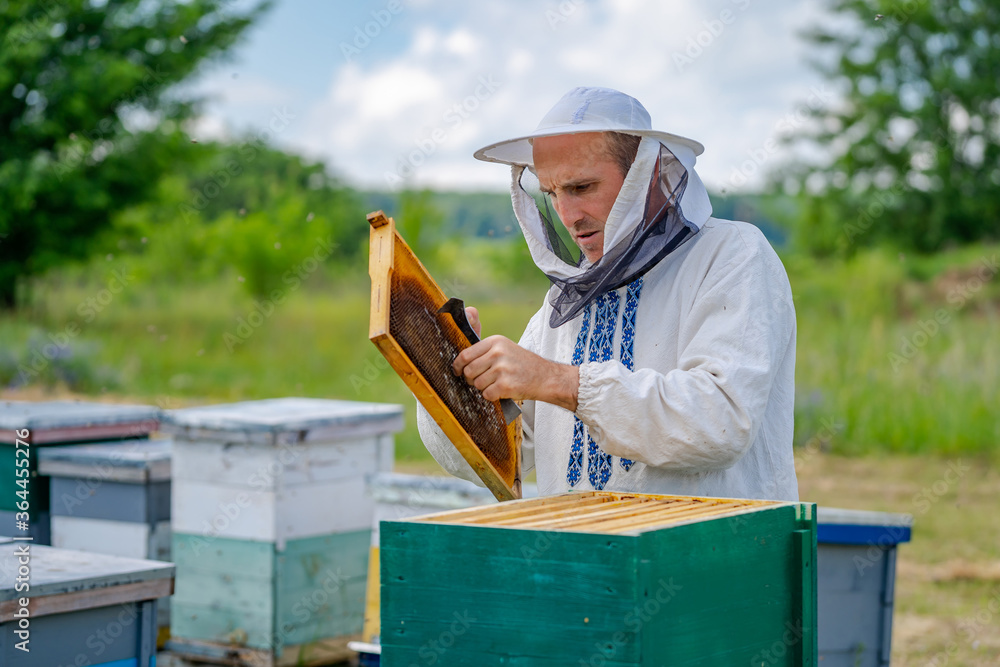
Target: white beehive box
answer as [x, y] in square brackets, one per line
[271, 523]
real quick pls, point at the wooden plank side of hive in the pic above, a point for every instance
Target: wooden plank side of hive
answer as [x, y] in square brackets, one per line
[508, 597]
[385, 245]
[722, 591]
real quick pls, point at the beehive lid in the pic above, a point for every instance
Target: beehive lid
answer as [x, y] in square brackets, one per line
[136, 461]
[840, 526]
[87, 579]
[432, 492]
[54, 422]
[602, 512]
[284, 420]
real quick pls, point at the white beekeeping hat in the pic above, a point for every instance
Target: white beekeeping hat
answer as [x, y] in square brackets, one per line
[661, 205]
[587, 110]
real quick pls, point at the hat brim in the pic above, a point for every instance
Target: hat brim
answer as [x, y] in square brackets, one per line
[518, 151]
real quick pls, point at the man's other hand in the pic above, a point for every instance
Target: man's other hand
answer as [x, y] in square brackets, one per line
[501, 368]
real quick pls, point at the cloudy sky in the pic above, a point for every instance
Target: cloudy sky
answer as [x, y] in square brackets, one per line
[394, 91]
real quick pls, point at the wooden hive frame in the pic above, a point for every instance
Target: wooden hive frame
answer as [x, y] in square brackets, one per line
[388, 255]
[605, 512]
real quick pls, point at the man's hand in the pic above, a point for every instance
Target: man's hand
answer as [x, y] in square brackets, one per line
[501, 368]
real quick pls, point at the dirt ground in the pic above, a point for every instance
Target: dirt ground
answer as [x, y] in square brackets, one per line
[948, 579]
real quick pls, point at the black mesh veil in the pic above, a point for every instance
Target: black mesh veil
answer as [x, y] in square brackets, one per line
[662, 229]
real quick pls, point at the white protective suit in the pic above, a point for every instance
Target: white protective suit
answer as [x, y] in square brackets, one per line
[686, 373]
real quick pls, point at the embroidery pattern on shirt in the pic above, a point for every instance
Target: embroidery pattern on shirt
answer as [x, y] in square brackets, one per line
[601, 349]
[628, 337]
[575, 469]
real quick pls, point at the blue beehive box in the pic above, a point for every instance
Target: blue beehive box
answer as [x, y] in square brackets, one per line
[85, 609]
[111, 498]
[856, 574]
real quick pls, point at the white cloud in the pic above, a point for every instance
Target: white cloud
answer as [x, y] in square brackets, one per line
[417, 104]
[462, 43]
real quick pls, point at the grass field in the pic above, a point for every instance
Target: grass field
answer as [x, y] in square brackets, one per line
[948, 579]
[895, 354]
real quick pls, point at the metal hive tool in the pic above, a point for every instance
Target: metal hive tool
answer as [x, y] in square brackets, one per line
[420, 344]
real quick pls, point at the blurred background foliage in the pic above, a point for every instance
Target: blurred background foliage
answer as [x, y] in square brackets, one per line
[909, 153]
[89, 124]
[133, 261]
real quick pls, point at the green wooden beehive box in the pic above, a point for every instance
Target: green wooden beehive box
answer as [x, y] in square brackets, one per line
[602, 578]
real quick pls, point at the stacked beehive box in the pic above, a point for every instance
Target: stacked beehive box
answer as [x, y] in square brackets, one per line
[602, 579]
[49, 424]
[271, 524]
[111, 498]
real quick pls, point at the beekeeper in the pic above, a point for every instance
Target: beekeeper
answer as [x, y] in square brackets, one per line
[662, 359]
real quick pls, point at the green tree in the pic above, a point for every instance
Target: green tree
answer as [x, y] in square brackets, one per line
[88, 126]
[248, 208]
[914, 142]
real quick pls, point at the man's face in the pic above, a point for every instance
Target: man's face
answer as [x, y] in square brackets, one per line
[583, 181]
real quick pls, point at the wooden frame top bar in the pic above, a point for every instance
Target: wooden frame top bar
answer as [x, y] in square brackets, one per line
[600, 512]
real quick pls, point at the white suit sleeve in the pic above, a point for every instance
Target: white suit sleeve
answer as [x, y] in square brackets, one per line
[705, 414]
[444, 452]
